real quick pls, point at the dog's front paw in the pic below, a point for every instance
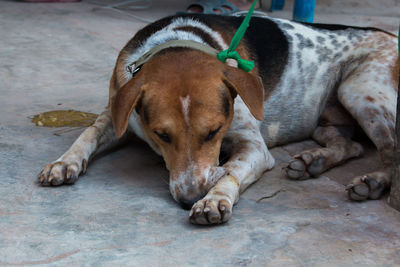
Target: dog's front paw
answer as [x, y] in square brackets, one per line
[214, 208]
[61, 172]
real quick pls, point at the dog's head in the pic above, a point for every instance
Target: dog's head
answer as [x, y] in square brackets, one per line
[185, 102]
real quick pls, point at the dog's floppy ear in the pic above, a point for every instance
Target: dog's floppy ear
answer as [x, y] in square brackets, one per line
[123, 103]
[249, 87]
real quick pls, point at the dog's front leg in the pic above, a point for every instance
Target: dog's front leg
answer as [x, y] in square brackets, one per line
[96, 138]
[249, 159]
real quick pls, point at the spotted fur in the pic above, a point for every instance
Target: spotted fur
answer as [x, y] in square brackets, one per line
[319, 80]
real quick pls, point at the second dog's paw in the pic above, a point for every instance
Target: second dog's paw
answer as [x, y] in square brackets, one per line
[60, 172]
[214, 208]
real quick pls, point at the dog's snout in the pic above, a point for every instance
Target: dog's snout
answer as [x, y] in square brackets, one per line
[190, 186]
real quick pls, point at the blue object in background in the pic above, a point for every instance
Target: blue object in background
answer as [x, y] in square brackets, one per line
[277, 5]
[304, 10]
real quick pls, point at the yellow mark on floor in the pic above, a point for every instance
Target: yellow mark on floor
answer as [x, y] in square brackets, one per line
[64, 118]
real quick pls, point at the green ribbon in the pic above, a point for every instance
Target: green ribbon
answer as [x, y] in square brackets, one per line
[243, 64]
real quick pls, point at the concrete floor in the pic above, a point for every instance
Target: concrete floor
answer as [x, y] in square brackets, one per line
[60, 56]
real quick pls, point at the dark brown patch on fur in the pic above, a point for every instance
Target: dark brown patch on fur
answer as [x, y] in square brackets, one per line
[340, 27]
[144, 33]
[370, 99]
[226, 105]
[396, 74]
[146, 114]
[269, 51]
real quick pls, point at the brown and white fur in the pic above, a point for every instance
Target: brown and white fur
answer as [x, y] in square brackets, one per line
[317, 81]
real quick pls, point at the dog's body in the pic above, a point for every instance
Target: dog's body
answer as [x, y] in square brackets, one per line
[319, 82]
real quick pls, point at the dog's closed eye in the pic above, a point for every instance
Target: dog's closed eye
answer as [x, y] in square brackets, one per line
[163, 136]
[211, 134]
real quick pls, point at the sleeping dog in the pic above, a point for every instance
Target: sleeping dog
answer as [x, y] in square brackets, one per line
[309, 80]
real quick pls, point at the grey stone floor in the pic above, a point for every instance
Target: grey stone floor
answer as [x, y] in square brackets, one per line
[60, 56]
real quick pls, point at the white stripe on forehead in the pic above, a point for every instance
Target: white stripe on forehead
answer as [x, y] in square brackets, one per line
[169, 33]
[185, 101]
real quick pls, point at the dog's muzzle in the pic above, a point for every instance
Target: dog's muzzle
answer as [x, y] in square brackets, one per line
[192, 185]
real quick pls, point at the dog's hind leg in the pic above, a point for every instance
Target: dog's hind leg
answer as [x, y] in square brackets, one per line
[375, 112]
[370, 94]
[93, 140]
[337, 148]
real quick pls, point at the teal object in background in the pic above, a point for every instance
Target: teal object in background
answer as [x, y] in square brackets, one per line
[304, 10]
[277, 5]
